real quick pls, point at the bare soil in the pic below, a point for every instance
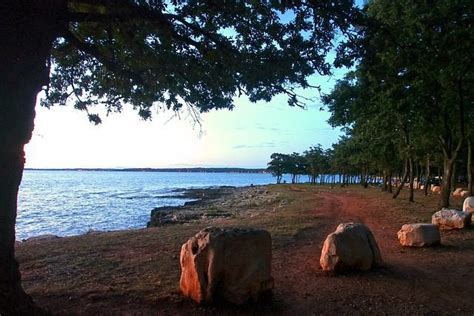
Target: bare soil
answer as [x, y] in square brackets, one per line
[137, 272]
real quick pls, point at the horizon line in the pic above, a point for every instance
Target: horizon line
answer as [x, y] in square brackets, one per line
[162, 169]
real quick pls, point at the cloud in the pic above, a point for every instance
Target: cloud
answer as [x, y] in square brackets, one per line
[269, 128]
[259, 127]
[261, 145]
[321, 129]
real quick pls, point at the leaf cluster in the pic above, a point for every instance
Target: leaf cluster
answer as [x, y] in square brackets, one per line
[410, 94]
[191, 54]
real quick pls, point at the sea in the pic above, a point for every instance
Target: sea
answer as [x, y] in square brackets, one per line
[74, 202]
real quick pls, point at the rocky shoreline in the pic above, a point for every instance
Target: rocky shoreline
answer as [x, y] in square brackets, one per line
[203, 204]
[212, 203]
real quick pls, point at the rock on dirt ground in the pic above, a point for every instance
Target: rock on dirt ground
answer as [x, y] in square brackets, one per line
[229, 264]
[351, 247]
[451, 219]
[419, 235]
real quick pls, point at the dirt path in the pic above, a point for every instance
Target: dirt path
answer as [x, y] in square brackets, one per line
[132, 272]
[413, 281]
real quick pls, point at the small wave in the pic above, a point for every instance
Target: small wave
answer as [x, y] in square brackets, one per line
[67, 203]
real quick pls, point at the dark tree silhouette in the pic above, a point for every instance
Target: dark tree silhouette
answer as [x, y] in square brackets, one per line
[181, 54]
[315, 162]
[412, 87]
[278, 165]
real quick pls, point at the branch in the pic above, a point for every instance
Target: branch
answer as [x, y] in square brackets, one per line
[294, 96]
[221, 44]
[144, 13]
[461, 117]
[131, 14]
[108, 63]
[141, 13]
[443, 144]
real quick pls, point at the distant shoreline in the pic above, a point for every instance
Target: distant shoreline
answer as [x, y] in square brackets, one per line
[184, 170]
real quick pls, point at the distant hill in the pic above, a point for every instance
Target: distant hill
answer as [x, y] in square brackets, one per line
[209, 170]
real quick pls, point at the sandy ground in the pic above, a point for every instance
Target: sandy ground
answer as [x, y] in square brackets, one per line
[137, 272]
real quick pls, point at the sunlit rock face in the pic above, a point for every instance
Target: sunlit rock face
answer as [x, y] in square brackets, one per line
[460, 192]
[451, 219]
[436, 189]
[468, 205]
[351, 247]
[229, 264]
[419, 235]
[464, 193]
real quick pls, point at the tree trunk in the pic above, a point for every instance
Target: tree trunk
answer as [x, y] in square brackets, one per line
[412, 179]
[402, 180]
[27, 31]
[427, 175]
[454, 177]
[390, 182]
[384, 181]
[448, 166]
[363, 179]
[419, 171]
[469, 167]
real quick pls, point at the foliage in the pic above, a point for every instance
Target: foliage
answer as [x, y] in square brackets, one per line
[150, 54]
[191, 54]
[293, 164]
[408, 102]
[315, 162]
[278, 165]
[410, 95]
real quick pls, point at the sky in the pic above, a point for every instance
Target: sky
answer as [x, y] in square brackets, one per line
[244, 137]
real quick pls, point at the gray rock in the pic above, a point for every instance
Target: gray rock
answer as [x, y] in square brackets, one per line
[229, 264]
[42, 238]
[468, 205]
[419, 235]
[451, 219]
[351, 247]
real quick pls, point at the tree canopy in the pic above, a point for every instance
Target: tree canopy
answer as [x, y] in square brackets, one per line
[192, 54]
[410, 95]
[407, 105]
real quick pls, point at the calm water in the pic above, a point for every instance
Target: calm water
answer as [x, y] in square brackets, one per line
[68, 203]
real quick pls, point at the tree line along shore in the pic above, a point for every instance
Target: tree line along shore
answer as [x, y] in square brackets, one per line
[324, 167]
[406, 107]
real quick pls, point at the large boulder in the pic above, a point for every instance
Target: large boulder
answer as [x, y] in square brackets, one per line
[351, 246]
[419, 235]
[229, 264]
[460, 192]
[436, 189]
[451, 219]
[468, 205]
